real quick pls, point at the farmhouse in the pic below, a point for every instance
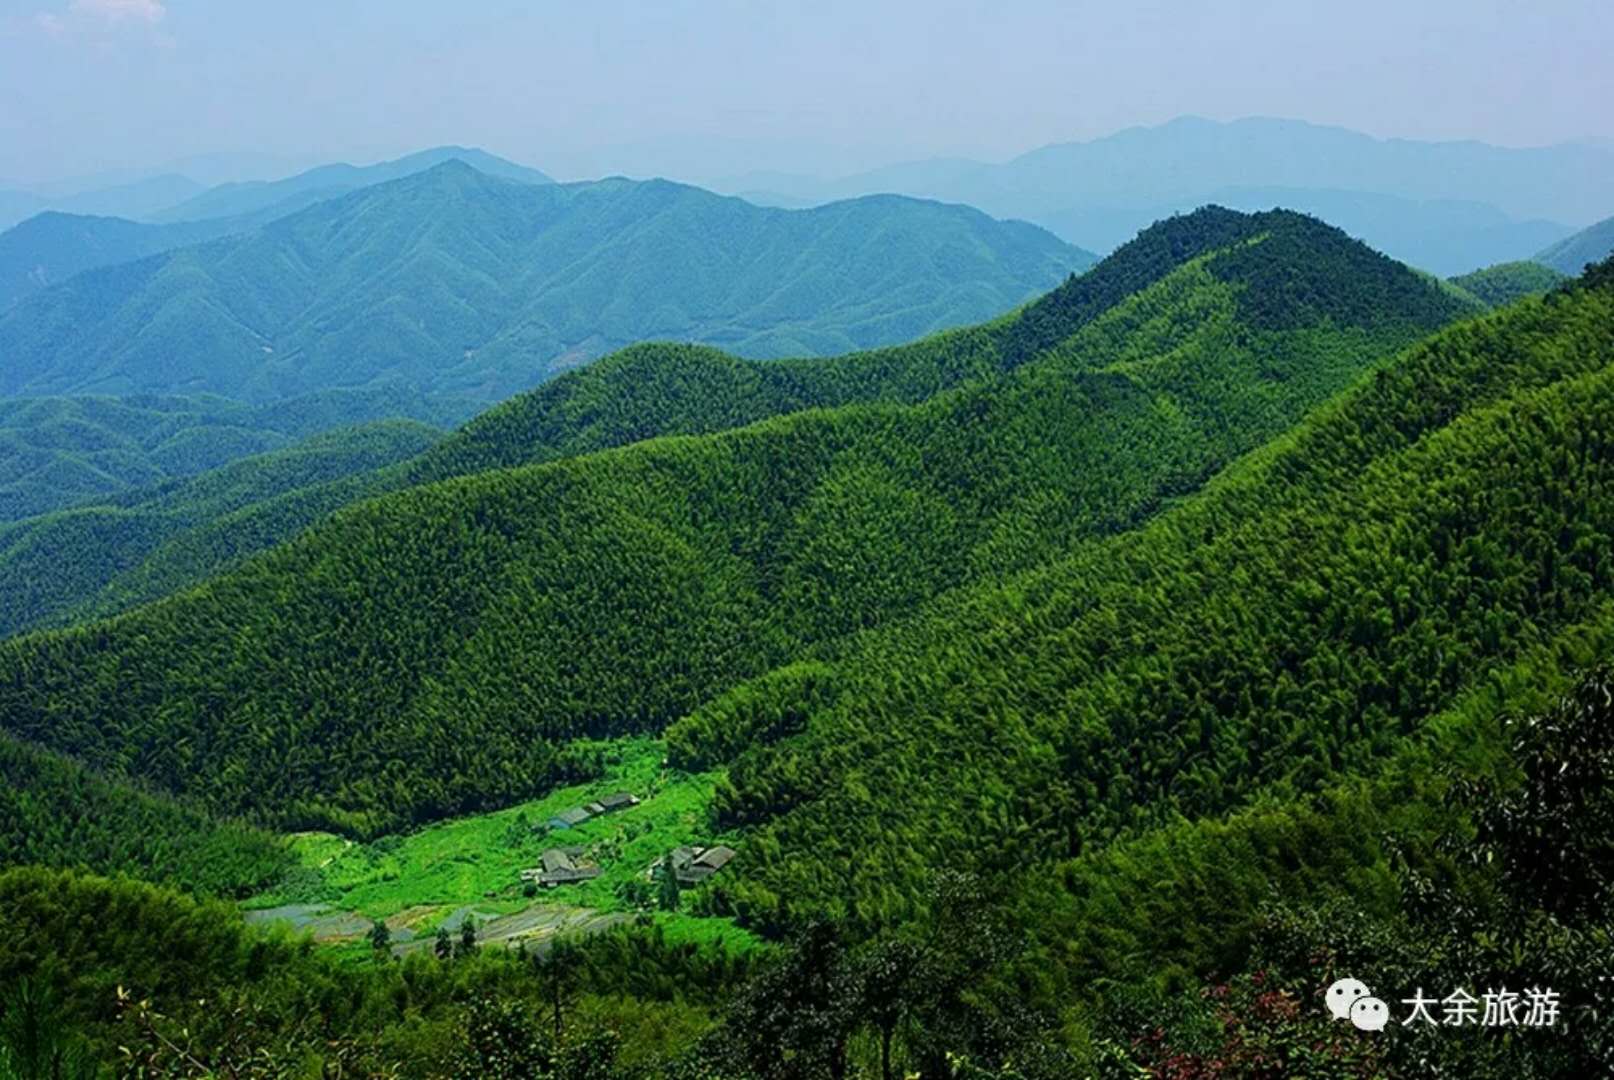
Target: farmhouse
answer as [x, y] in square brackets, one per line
[562, 866]
[568, 819]
[693, 865]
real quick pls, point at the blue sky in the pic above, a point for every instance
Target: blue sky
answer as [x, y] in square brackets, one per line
[704, 88]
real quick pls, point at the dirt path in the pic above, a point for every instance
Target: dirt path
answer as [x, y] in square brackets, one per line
[535, 925]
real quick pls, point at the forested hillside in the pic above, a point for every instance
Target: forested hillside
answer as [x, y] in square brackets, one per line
[62, 452]
[1090, 690]
[656, 389]
[508, 283]
[63, 565]
[55, 812]
[47, 249]
[1304, 616]
[1504, 283]
[468, 631]
[659, 390]
[643, 391]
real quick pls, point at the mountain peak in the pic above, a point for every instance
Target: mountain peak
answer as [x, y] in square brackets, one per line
[453, 167]
[1290, 270]
[452, 177]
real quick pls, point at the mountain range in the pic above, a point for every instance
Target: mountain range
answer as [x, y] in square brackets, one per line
[55, 244]
[175, 196]
[1446, 207]
[612, 593]
[1079, 692]
[133, 198]
[453, 281]
[280, 197]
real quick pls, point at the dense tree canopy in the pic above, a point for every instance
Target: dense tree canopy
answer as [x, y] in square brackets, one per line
[437, 650]
[1087, 691]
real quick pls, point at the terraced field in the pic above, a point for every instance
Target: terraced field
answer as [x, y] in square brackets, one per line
[470, 867]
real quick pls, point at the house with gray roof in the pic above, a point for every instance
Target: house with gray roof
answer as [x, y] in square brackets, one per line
[568, 819]
[693, 865]
[562, 866]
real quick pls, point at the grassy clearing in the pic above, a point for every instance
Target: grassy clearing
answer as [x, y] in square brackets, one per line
[421, 880]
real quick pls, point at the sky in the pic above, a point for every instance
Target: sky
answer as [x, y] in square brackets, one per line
[705, 89]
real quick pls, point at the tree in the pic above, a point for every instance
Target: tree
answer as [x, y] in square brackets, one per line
[885, 976]
[380, 938]
[669, 885]
[467, 942]
[1553, 834]
[501, 1043]
[445, 945]
[558, 970]
[794, 1021]
[35, 1042]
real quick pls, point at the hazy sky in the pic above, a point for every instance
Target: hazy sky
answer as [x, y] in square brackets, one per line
[705, 88]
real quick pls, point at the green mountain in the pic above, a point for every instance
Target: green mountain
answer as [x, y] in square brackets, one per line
[659, 390]
[1504, 283]
[279, 197]
[1085, 692]
[473, 629]
[108, 555]
[1304, 616]
[1573, 254]
[61, 452]
[55, 812]
[509, 283]
[50, 248]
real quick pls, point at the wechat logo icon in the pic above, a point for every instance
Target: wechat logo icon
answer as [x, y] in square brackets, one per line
[1350, 999]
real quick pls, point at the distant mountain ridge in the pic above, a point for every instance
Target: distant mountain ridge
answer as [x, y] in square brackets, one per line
[51, 247]
[1098, 193]
[74, 236]
[328, 181]
[134, 198]
[509, 282]
[1573, 254]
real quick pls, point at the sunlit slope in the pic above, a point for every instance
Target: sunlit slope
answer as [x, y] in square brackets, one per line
[1305, 273]
[662, 388]
[56, 565]
[1505, 283]
[1297, 620]
[436, 650]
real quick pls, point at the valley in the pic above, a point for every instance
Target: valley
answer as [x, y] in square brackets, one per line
[1027, 571]
[472, 866]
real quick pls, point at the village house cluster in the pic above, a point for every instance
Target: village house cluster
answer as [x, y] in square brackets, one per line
[570, 864]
